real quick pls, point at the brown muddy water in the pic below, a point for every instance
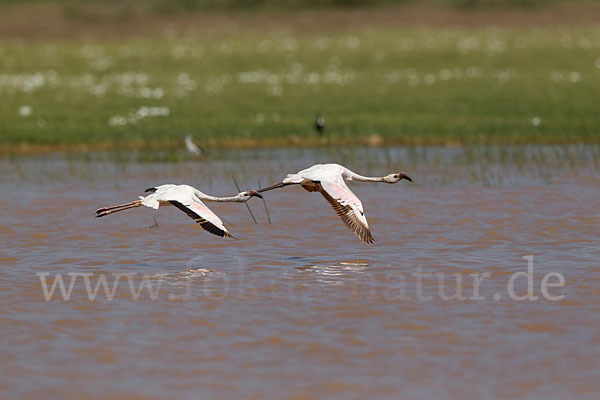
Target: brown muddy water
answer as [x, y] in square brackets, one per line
[300, 308]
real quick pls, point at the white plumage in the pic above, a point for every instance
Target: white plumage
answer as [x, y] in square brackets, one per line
[189, 200]
[191, 146]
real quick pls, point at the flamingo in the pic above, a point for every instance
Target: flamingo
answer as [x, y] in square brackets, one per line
[328, 179]
[189, 200]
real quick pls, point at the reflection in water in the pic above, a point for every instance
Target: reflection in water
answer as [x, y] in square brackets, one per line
[302, 307]
[325, 271]
[180, 278]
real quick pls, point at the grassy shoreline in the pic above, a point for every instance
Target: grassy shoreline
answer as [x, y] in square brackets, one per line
[373, 141]
[248, 87]
[51, 20]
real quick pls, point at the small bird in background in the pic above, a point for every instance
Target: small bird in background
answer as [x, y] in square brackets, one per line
[320, 124]
[191, 147]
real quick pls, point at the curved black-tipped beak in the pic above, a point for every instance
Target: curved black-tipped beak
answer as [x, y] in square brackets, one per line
[404, 176]
[254, 193]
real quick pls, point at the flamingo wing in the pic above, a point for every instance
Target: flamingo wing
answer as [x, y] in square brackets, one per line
[347, 206]
[202, 215]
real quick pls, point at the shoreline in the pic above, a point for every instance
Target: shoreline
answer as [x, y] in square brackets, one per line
[373, 141]
[48, 21]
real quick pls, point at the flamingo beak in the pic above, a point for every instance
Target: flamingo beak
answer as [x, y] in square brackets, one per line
[404, 176]
[254, 193]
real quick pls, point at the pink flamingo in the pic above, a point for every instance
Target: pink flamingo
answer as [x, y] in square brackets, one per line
[328, 179]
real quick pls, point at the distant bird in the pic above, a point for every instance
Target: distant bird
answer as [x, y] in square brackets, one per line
[328, 179]
[319, 124]
[188, 200]
[191, 147]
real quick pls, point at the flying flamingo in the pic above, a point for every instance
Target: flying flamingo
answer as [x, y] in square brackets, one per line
[188, 200]
[328, 179]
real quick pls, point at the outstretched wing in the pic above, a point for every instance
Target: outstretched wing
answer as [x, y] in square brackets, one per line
[347, 206]
[208, 220]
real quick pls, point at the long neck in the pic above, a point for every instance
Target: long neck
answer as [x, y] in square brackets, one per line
[352, 176]
[232, 199]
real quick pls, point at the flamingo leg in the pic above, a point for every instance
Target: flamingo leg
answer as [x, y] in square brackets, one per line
[275, 186]
[118, 206]
[101, 212]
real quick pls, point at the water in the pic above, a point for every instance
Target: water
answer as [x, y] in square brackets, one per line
[301, 308]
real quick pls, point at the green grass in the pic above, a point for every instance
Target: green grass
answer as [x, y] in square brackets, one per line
[413, 86]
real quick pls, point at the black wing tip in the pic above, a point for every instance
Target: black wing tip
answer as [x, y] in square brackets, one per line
[150, 190]
[216, 231]
[363, 234]
[204, 224]
[346, 214]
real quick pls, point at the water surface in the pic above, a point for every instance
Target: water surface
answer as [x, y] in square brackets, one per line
[300, 308]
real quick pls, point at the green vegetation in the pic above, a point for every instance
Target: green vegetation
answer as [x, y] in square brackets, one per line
[264, 87]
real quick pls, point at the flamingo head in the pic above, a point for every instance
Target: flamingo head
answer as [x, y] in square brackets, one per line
[393, 178]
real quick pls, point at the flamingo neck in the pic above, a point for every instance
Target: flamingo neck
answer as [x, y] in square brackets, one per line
[353, 176]
[360, 178]
[232, 199]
